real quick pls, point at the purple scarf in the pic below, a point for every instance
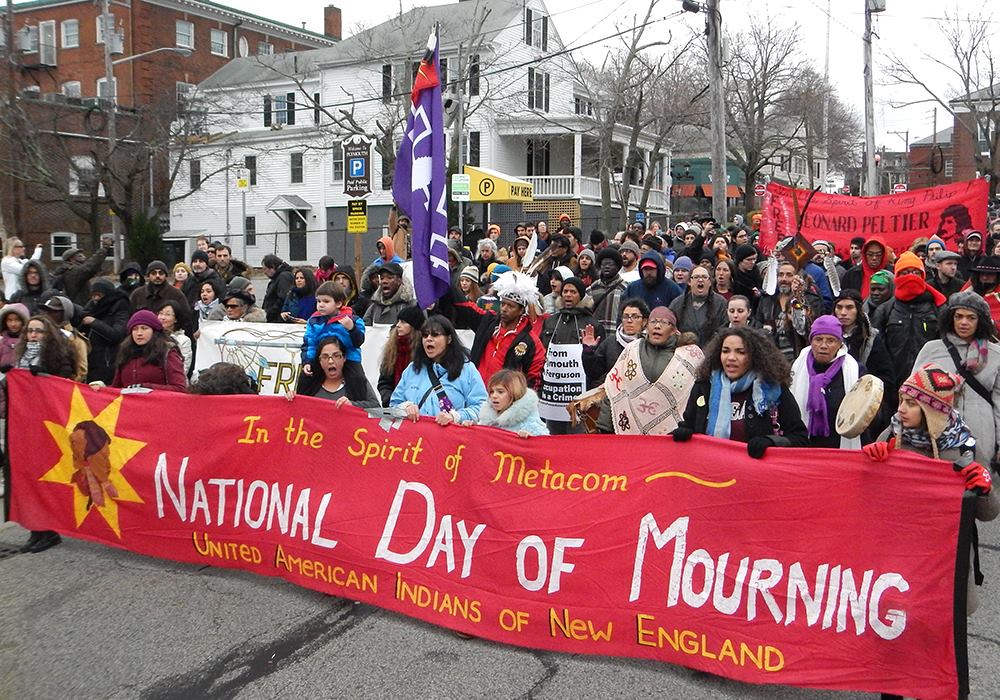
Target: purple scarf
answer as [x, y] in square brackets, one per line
[819, 424]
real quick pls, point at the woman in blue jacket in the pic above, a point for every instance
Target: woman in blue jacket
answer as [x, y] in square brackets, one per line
[440, 381]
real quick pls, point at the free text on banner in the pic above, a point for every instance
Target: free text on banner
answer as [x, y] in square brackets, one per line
[897, 218]
[797, 569]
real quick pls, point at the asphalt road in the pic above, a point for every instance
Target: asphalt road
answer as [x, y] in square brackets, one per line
[83, 620]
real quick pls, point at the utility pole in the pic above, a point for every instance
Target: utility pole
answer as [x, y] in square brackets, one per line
[713, 30]
[459, 90]
[108, 23]
[871, 182]
[15, 200]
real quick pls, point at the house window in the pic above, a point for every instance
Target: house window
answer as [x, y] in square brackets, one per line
[264, 49]
[317, 109]
[443, 75]
[386, 82]
[71, 88]
[296, 171]
[99, 25]
[184, 34]
[536, 29]
[61, 242]
[949, 168]
[474, 75]
[538, 157]
[250, 230]
[473, 152]
[817, 170]
[70, 33]
[195, 175]
[103, 90]
[338, 162]
[244, 47]
[47, 43]
[84, 180]
[538, 90]
[250, 163]
[220, 43]
[29, 44]
[279, 110]
[581, 105]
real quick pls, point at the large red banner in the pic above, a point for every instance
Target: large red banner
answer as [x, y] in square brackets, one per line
[897, 218]
[810, 568]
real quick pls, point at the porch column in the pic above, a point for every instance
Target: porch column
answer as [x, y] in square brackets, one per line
[577, 163]
[666, 183]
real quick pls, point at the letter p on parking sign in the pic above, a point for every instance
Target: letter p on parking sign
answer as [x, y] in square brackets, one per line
[356, 167]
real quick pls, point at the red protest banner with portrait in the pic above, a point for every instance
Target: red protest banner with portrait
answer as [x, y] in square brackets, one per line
[898, 218]
[808, 568]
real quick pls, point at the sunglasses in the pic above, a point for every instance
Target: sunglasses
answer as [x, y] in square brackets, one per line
[234, 306]
[431, 334]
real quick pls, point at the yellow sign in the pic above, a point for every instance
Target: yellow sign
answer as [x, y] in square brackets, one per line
[487, 185]
[357, 216]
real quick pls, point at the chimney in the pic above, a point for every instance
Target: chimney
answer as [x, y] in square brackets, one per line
[332, 22]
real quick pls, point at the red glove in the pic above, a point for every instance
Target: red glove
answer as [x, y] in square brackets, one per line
[977, 477]
[879, 451]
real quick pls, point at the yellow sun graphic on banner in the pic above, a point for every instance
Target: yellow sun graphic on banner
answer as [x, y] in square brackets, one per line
[92, 460]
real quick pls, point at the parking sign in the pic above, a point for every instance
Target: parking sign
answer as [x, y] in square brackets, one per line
[357, 174]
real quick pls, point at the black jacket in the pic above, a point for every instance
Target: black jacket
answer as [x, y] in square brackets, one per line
[74, 280]
[905, 327]
[789, 419]
[277, 290]
[511, 360]
[105, 334]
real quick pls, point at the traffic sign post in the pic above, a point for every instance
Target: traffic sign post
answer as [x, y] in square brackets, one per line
[760, 189]
[899, 188]
[460, 187]
[357, 166]
[357, 216]
[242, 180]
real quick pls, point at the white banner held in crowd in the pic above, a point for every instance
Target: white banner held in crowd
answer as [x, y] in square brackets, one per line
[271, 352]
[562, 380]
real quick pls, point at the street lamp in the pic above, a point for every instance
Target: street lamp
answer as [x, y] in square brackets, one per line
[109, 81]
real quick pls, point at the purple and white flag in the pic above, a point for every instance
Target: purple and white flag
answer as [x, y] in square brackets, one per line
[420, 182]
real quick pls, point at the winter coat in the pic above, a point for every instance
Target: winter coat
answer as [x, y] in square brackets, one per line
[192, 285]
[105, 334]
[906, 327]
[153, 297]
[662, 294]
[168, 376]
[385, 311]
[183, 345]
[466, 392]
[520, 417]
[298, 306]
[319, 327]
[608, 298]
[277, 289]
[599, 359]
[236, 268]
[74, 279]
[30, 296]
[566, 326]
[252, 314]
[982, 418]
[855, 278]
[521, 350]
[715, 315]
[11, 268]
[789, 418]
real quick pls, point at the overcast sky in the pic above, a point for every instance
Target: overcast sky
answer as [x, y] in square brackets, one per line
[908, 28]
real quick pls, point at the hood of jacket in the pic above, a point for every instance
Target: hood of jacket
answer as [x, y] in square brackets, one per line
[43, 276]
[403, 295]
[390, 247]
[516, 414]
[19, 309]
[660, 267]
[885, 254]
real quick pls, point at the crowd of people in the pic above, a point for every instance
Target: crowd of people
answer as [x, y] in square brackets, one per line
[664, 331]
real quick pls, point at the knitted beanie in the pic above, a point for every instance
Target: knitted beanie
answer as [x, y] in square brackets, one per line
[908, 261]
[145, 317]
[470, 273]
[826, 325]
[578, 283]
[934, 389]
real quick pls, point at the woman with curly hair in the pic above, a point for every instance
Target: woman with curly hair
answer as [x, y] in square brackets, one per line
[398, 351]
[741, 393]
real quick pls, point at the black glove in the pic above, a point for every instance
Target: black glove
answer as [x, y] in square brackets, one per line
[757, 445]
[682, 434]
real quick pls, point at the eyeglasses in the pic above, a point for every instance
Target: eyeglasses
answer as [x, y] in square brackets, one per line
[656, 322]
[35, 330]
[334, 356]
[234, 306]
[631, 317]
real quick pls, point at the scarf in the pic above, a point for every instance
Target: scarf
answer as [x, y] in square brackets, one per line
[819, 423]
[32, 351]
[764, 397]
[909, 287]
[956, 434]
[624, 338]
[976, 355]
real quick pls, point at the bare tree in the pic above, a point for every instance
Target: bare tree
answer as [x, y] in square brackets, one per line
[762, 75]
[974, 83]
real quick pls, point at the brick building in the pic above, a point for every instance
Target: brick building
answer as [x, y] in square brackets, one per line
[931, 161]
[58, 59]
